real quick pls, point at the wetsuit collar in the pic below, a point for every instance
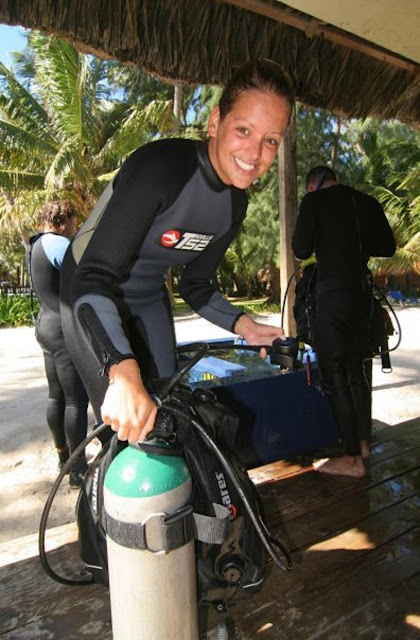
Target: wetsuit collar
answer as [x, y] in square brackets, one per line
[206, 167]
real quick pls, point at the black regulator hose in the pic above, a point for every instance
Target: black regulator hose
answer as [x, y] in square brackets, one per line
[394, 315]
[47, 508]
[271, 544]
[286, 293]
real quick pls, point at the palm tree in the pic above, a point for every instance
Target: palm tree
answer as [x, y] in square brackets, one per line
[393, 171]
[62, 131]
[403, 209]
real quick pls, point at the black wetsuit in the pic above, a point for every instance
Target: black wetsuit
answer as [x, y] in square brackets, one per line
[165, 208]
[67, 398]
[344, 227]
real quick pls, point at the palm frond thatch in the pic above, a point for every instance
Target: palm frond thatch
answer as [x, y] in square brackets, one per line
[200, 41]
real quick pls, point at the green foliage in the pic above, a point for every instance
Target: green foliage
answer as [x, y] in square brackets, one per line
[391, 158]
[61, 136]
[260, 307]
[135, 87]
[68, 121]
[181, 308]
[16, 310]
[12, 257]
[257, 245]
[323, 138]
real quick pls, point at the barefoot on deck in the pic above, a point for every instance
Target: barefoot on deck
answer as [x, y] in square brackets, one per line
[351, 466]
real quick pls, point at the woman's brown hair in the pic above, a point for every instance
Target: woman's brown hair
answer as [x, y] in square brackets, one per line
[56, 213]
[258, 74]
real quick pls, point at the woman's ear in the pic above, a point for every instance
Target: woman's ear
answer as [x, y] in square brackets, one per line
[213, 122]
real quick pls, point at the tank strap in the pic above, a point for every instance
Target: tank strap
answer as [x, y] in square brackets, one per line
[159, 532]
[212, 529]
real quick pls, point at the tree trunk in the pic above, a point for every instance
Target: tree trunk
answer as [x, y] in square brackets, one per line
[334, 150]
[287, 218]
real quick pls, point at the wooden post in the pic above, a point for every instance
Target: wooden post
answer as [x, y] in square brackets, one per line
[287, 217]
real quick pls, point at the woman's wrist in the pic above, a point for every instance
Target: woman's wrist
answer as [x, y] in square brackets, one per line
[235, 322]
[242, 325]
[125, 369]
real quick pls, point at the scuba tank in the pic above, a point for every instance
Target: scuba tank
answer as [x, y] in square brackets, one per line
[151, 559]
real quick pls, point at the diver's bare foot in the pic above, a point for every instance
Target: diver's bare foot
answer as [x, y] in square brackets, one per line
[351, 466]
[364, 449]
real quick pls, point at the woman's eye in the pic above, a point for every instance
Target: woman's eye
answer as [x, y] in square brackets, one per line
[243, 130]
[272, 142]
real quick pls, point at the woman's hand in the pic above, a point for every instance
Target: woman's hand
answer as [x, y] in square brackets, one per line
[127, 406]
[256, 333]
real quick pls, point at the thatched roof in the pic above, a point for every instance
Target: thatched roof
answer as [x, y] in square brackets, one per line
[199, 41]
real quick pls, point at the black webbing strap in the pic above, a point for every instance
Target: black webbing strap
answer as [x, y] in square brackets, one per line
[161, 532]
[212, 529]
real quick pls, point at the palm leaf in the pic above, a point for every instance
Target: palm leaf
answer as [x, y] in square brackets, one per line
[405, 260]
[62, 74]
[19, 106]
[139, 127]
[15, 137]
[14, 179]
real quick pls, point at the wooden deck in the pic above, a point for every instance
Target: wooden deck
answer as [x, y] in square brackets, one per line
[355, 543]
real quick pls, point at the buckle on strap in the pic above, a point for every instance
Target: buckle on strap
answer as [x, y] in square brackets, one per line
[158, 533]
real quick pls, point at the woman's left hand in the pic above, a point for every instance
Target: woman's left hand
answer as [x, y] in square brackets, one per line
[257, 333]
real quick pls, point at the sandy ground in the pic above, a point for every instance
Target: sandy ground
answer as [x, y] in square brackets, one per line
[27, 458]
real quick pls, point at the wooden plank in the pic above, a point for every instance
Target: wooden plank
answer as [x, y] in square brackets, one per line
[408, 427]
[275, 471]
[394, 617]
[35, 606]
[327, 587]
[313, 558]
[27, 546]
[308, 492]
[303, 531]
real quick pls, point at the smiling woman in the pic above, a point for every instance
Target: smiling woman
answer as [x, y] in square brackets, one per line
[175, 202]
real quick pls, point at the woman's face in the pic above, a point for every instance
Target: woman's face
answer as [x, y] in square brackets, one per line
[244, 144]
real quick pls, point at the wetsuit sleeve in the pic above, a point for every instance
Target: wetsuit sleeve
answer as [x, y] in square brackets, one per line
[137, 198]
[197, 288]
[382, 241]
[303, 240]
[55, 247]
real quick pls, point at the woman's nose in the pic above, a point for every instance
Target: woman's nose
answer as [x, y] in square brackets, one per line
[255, 147]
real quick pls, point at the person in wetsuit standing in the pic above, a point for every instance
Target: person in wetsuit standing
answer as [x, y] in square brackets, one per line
[344, 227]
[67, 399]
[175, 202]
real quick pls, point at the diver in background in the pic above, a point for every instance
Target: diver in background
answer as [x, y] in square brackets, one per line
[344, 227]
[67, 399]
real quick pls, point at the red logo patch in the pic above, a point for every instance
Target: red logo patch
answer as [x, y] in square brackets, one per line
[170, 238]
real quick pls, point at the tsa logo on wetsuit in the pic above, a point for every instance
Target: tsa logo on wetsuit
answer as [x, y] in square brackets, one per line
[187, 240]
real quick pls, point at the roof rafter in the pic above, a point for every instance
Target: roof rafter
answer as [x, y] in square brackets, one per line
[314, 27]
